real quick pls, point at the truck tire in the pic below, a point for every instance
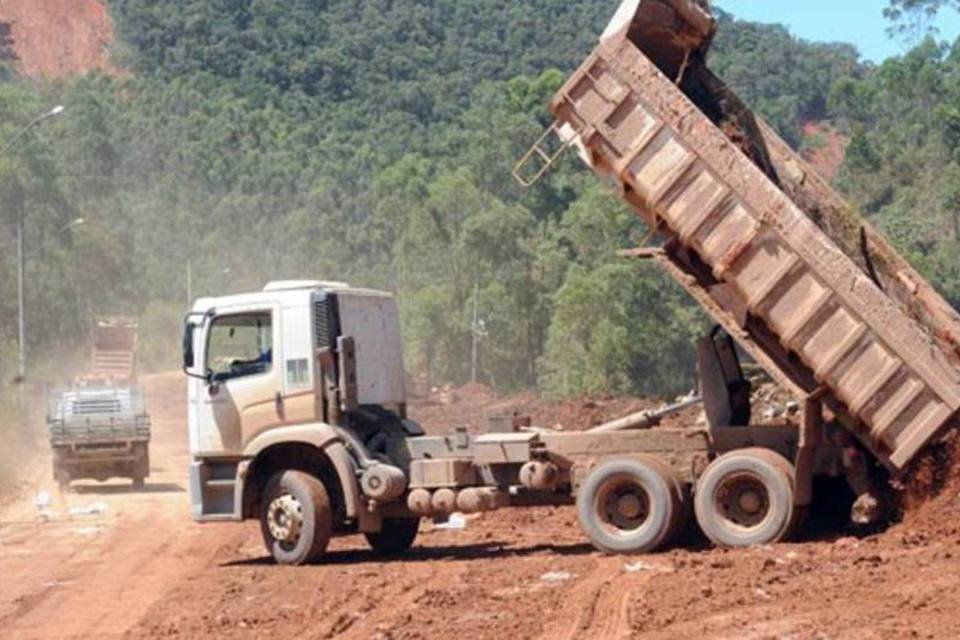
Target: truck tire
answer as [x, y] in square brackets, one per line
[295, 517]
[396, 536]
[745, 498]
[141, 467]
[630, 505]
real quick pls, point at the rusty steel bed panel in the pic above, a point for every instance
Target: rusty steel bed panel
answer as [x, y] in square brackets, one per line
[634, 125]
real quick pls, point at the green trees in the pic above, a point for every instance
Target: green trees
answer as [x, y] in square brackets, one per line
[372, 142]
[902, 161]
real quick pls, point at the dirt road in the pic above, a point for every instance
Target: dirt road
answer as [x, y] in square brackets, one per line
[142, 569]
[95, 574]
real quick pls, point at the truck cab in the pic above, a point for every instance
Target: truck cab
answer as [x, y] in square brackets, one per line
[254, 367]
[256, 384]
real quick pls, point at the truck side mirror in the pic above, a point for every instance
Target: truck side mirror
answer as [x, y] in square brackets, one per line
[188, 358]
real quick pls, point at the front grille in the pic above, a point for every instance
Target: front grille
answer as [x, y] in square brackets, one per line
[96, 406]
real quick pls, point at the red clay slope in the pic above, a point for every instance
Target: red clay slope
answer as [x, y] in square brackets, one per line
[54, 38]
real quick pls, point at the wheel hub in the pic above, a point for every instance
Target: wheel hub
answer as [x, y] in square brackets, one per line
[744, 500]
[623, 504]
[750, 502]
[629, 506]
[285, 518]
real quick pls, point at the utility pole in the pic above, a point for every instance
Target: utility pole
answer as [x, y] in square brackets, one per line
[21, 319]
[21, 267]
[475, 330]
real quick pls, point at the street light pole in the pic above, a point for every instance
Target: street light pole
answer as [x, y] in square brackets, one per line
[21, 319]
[21, 267]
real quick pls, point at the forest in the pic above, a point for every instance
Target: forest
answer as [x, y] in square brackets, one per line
[246, 140]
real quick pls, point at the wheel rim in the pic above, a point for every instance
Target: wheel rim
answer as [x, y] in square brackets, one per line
[743, 501]
[623, 505]
[285, 519]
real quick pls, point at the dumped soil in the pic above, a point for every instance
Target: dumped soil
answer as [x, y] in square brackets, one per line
[55, 38]
[139, 567]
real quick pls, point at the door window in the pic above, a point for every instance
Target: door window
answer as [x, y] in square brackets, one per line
[240, 345]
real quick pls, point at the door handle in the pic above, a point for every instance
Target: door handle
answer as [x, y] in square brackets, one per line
[278, 399]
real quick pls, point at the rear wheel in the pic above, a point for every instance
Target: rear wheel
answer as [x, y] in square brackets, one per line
[396, 536]
[630, 505]
[141, 466]
[296, 520]
[746, 498]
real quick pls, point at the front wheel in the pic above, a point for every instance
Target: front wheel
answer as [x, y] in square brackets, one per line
[396, 536]
[296, 520]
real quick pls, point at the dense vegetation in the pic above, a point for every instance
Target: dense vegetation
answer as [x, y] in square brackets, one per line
[373, 141]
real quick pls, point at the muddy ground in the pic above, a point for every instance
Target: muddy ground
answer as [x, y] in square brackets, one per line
[140, 568]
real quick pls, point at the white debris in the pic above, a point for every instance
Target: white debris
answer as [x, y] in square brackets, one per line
[556, 576]
[43, 501]
[56, 583]
[87, 531]
[636, 567]
[92, 509]
[456, 522]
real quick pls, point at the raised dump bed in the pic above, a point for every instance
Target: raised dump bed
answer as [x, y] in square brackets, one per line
[711, 183]
[114, 351]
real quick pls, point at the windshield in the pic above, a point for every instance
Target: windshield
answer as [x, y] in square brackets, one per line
[240, 345]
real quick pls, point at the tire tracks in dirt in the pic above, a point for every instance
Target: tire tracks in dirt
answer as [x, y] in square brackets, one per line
[605, 595]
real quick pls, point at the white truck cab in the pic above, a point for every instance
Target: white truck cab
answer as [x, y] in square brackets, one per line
[256, 389]
[254, 366]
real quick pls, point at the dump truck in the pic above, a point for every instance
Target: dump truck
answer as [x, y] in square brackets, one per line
[114, 352]
[99, 428]
[297, 407]
[298, 418]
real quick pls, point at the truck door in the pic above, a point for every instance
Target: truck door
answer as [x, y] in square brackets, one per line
[244, 394]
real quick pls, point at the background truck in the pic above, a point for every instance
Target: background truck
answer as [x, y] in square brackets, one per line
[297, 406]
[100, 428]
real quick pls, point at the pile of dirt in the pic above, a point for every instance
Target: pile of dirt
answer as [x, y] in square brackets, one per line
[55, 38]
[931, 496]
[473, 404]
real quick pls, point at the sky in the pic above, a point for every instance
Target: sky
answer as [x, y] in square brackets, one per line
[859, 22]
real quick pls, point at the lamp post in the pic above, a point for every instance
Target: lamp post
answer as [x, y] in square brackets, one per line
[21, 319]
[70, 225]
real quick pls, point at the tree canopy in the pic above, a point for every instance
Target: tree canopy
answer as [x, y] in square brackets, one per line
[373, 141]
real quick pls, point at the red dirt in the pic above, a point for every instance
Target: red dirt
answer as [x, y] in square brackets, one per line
[826, 150]
[143, 569]
[54, 38]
